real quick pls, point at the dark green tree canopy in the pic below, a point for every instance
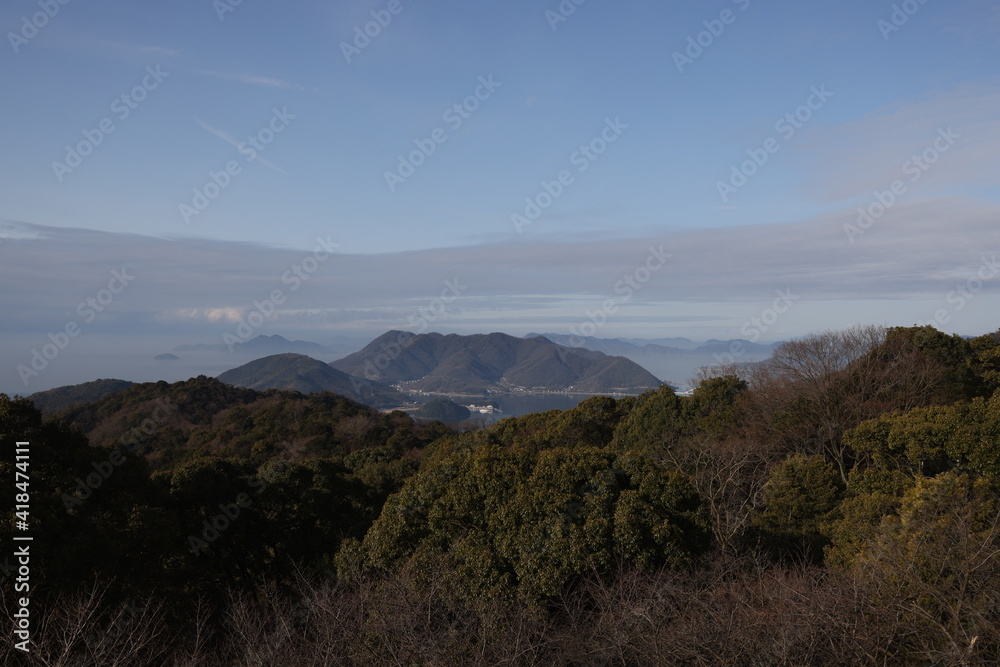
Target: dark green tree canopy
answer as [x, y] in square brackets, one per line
[519, 521]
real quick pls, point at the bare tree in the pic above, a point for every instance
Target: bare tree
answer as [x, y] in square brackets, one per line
[83, 630]
[813, 390]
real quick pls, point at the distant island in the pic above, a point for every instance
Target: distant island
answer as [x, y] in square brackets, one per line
[493, 363]
[443, 410]
[296, 372]
[260, 345]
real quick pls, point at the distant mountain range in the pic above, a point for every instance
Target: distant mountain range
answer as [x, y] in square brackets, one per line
[492, 363]
[676, 362]
[680, 347]
[679, 343]
[261, 345]
[398, 362]
[296, 372]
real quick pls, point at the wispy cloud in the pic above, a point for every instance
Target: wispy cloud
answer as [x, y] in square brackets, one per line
[253, 79]
[907, 255]
[158, 51]
[229, 140]
[191, 290]
[76, 42]
[868, 154]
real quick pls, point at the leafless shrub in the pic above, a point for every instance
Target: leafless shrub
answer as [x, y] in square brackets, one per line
[84, 630]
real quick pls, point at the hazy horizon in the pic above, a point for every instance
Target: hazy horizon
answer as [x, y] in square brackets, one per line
[133, 359]
[190, 173]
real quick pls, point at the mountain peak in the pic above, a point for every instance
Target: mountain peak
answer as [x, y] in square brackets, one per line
[492, 363]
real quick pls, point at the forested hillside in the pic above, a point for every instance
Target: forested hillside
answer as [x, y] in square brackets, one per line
[838, 504]
[296, 372]
[175, 423]
[491, 363]
[60, 398]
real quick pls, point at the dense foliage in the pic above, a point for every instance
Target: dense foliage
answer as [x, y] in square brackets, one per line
[443, 410]
[60, 398]
[837, 504]
[205, 417]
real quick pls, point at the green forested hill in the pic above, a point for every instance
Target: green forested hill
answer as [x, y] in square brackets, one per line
[296, 372]
[443, 410]
[492, 362]
[838, 504]
[53, 400]
[203, 416]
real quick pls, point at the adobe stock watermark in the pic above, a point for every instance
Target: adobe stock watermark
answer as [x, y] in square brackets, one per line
[223, 7]
[87, 310]
[900, 16]
[562, 13]
[264, 310]
[626, 288]
[122, 107]
[455, 116]
[915, 167]
[699, 43]
[219, 181]
[965, 292]
[31, 26]
[421, 320]
[787, 126]
[129, 443]
[758, 325]
[363, 35]
[582, 159]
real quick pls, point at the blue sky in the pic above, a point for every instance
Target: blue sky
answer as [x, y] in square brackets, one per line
[891, 90]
